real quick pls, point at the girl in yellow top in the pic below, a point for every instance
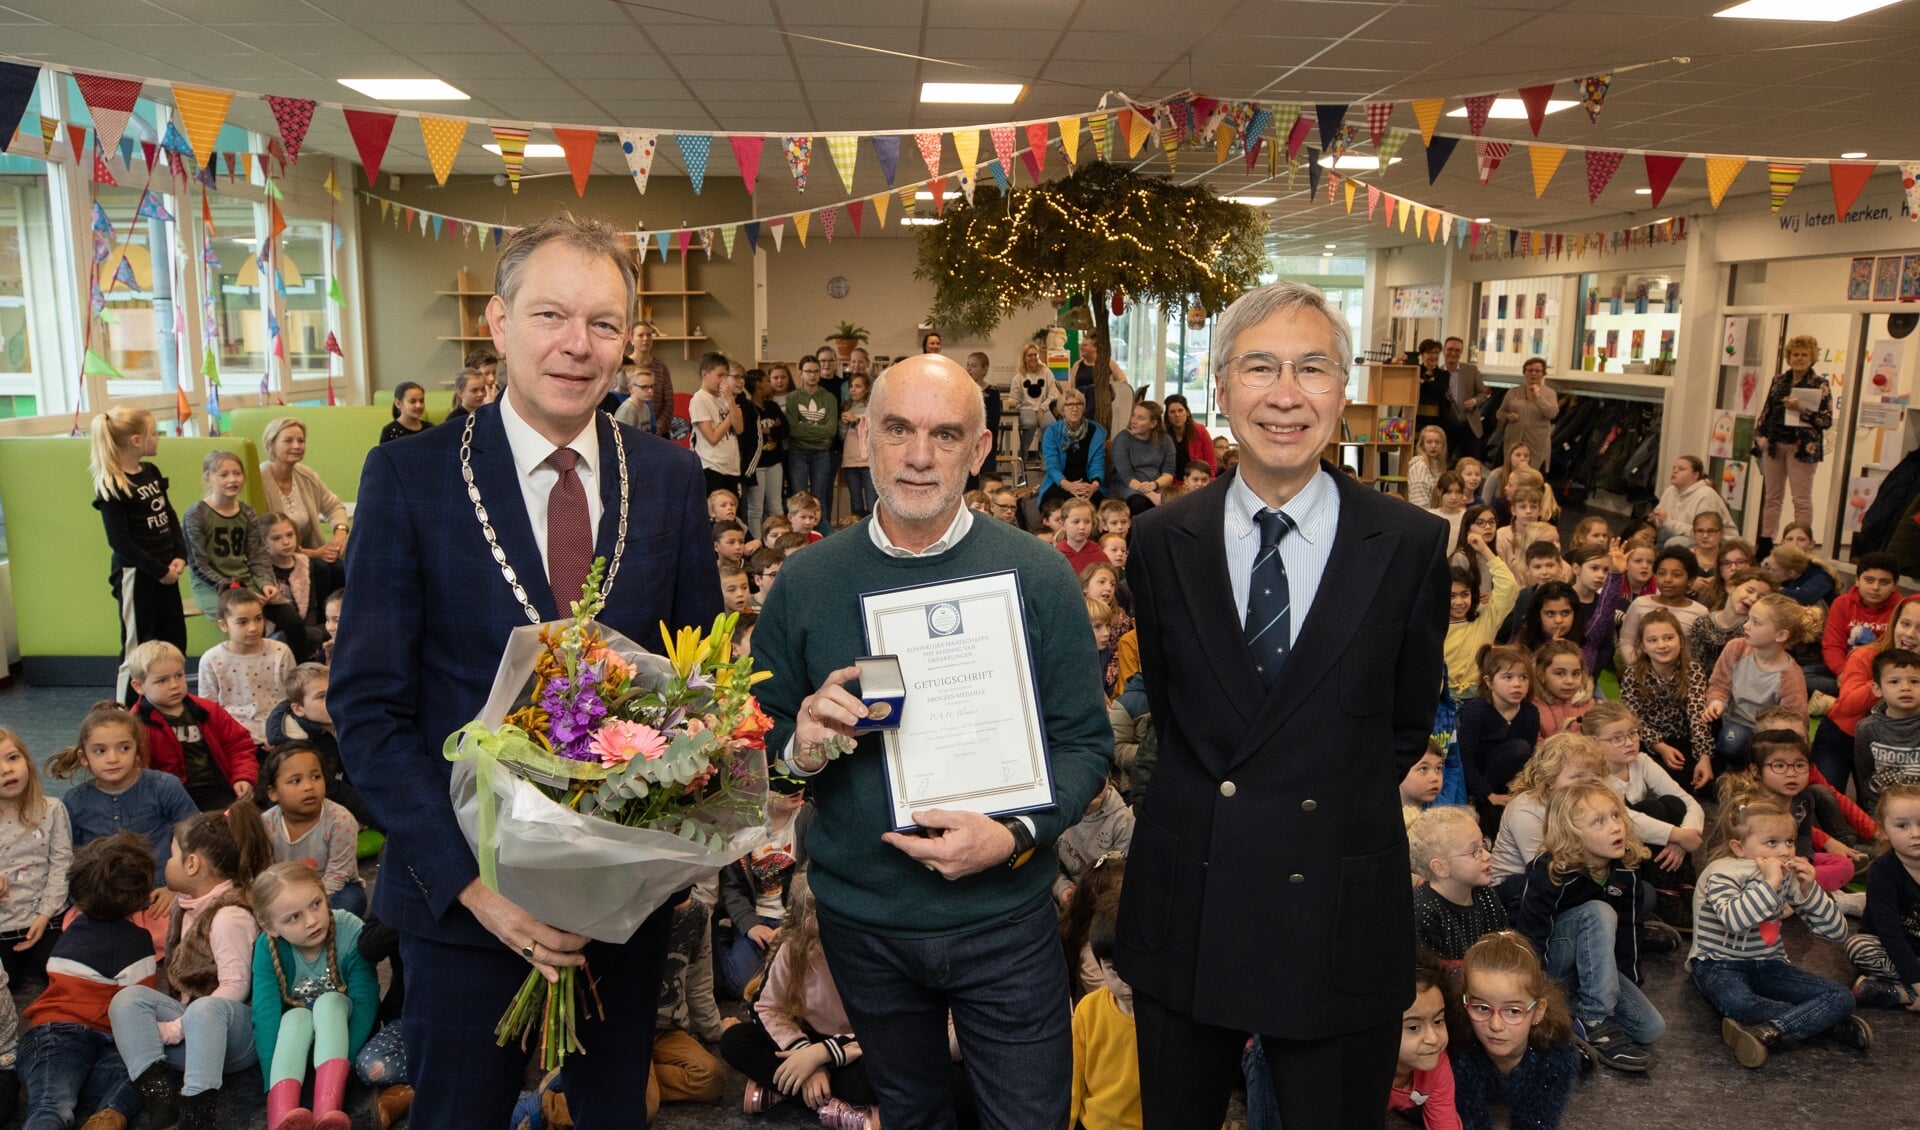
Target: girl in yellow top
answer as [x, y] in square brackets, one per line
[1473, 624]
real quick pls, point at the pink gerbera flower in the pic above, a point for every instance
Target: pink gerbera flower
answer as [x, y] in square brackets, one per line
[617, 743]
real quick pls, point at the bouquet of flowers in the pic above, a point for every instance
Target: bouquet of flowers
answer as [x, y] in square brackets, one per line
[600, 779]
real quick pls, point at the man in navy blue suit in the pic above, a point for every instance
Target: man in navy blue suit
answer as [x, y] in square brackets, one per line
[427, 613]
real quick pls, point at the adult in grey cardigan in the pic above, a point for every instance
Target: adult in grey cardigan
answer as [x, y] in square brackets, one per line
[1142, 460]
[298, 492]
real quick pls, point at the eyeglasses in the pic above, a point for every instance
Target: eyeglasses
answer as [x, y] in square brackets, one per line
[1508, 1013]
[1315, 373]
[1481, 850]
[1622, 741]
[1795, 767]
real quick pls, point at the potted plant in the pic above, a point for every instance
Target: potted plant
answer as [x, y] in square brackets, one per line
[844, 337]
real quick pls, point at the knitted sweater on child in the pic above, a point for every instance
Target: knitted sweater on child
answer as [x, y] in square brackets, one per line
[1535, 1092]
[1736, 913]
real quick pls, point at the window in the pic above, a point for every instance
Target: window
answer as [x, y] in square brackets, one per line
[138, 336]
[239, 314]
[26, 283]
[305, 271]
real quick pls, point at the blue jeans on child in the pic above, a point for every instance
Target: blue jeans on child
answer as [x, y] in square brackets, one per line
[860, 496]
[352, 897]
[1801, 1004]
[219, 1035]
[811, 472]
[65, 1065]
[742, 959]
[1580, 956]
[382, 1061]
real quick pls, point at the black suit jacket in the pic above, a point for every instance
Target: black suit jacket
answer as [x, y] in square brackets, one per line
[1266, 887]
[427, 613]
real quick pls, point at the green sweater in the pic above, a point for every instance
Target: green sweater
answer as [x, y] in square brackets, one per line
[813, 420]
[811, 627]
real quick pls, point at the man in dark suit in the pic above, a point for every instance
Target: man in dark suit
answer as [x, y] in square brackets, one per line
[427, 614]
[1469, 396]
[1290, 623]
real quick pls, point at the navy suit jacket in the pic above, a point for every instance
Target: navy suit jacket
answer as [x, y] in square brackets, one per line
[427, 614]
[1266, 889]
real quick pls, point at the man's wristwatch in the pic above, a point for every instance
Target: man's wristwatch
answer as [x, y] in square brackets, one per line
[1023, 845]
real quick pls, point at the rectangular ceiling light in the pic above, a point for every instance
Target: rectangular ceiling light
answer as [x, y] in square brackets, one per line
[975, 93]
[1250, 201]
[1514, 108]
[405, 89]
[1825, 12]
[918, 221]
[1355, 161]
[535, 149]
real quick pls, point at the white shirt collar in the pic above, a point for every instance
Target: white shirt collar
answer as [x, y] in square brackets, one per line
[531, 449]
[962, 523]
[1308, 508]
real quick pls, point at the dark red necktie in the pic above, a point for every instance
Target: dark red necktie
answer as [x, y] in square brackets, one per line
[569, 532]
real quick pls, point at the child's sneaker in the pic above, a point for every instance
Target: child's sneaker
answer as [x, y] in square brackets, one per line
[758, 1099]
[1873, 992]
[1658, 937]
[1611, 1045]
[1852, 903]
[1854, 1032]
[836, 1114]
[1750, 1042]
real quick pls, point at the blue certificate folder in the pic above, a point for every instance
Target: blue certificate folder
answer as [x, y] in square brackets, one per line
[970, 731]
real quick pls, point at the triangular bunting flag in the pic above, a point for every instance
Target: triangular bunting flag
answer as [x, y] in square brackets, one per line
[695, 150]
[333, 345]
[1910, 183]
[746, 155]
[1070, 140]
[151, 209]
[1593, 94]
[578, 145]
[1378, 114]
[853, 215]
[1545, 160]
[1035, 156]
[908, 202]
[1000, 180]
[799, 151]
[182, 411]
[1138, 126]
[886, 149]
[939, 190]
[663, 240]
[110, 101]
[94, 365]
[1720, 174]
[829, 222]
[1433, 226]
[1330, 116]
[681, 240]
[778, 230]
[276, 223]
[1297, 136]
[638, 147]
[232, 161]
[1406, 213]
[1313, 173]
[966, 145]
[513, 152]
[844, 148]
[101, 174]
[1351, 187]
[16, 90]
[294, 116]
[202, 112]
[728, 235]
[331, 184]
[1438, 151]
[1389, 147]
[1477, 108]
[1601, 165]
[439, 222]
[151, 152]
[1535, 99]
[1224, 135]
[1489, 154]
[49, 129]
[123, 275]
[801, 221]
[1781, 177]
[1848, 180]
[1002, 148]
[1660, 172]
[1373, 199]
[1101, 127]
[752, 230]
[1426, 112]
[371, 131]
[929, 146]
[173, 141]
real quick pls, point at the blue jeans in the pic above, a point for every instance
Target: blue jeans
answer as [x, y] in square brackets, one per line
[382, 1061]
[1580, 956]
[860, 495]
[352, 897]
[1005, 984]
[1799, 1003]
[1731, 742]
[811, 472]
[1263, 1103]
[1833, 754]
[63, 1064]
[742, 959]
[219, 1035]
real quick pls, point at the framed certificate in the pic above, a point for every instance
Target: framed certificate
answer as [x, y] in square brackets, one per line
[970, 735]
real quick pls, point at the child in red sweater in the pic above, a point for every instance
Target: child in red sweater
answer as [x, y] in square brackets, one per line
[193, 738]
[1860, 614]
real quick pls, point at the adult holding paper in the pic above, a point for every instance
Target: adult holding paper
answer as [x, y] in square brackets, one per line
[429, 609]
[1265, 891]
[960, 919]
[1791, 438]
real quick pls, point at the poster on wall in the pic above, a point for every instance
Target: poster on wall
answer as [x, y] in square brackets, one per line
[1615, 303]
[1540, 305]
[1860, 493]
[1500, 340]
[1419, 301]
[1749, 390]
[1733, 342]
[1500, 308]
[1638, 348]
[1520, 307]
[1539, 341]
[1883, 369]
[1673, 298]
[1733, 484]
[1720, 441]
[1640, 293]
[1886, 278]
[1593, 301]
[1666, 344]
[1613, 343]
[1860, 279]
[1910, 277]
[1484, 300]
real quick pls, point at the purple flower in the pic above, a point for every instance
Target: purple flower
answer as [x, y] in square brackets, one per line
[573, 712]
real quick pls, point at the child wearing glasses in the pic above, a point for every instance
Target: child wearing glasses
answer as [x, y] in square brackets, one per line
[1738, 962]
[1783, 770]
[1455, 907]
[1521, 1056]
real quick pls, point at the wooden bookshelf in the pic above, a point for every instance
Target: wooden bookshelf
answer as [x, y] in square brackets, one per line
[470, 296]
[674, 316]
[1364, 444]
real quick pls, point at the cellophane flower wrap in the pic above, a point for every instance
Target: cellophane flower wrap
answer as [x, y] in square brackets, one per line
[600, 779]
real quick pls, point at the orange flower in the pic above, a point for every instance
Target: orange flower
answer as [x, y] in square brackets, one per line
[750, 732]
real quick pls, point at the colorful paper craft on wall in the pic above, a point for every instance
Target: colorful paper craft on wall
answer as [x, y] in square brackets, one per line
[1860, 279]
[1886, 278]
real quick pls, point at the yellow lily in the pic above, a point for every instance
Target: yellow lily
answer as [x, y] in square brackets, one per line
[687, 651]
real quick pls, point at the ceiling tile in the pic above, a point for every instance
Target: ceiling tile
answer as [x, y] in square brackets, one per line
[700, 39]
[561, 41]
[1010, 15]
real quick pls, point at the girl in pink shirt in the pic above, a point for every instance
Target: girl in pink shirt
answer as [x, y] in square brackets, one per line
[1423, 1080]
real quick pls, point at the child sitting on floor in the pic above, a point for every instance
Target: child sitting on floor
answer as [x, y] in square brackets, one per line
[1521, 1056]
[1455, 906]
[1106, 1054]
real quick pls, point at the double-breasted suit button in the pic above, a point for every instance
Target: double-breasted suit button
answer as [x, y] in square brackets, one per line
[1309, 805]
[1296, 877]
[1228, 788]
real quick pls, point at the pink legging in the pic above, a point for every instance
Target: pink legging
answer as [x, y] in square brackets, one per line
[1831, 871]
[1779, 470]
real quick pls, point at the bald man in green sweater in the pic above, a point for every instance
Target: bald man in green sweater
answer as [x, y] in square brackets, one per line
[958, 920]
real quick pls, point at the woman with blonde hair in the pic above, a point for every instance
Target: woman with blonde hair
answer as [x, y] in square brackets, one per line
[1790, 437]
[297, 492]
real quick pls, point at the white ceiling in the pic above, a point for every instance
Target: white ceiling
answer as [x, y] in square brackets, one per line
[1763, 88]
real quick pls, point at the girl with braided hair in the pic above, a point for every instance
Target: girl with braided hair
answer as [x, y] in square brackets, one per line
[311, 990]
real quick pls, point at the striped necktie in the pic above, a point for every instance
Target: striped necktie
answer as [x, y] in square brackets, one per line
[1268, 626]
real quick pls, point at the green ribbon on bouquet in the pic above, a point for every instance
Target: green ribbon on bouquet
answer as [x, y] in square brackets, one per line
[487, 749]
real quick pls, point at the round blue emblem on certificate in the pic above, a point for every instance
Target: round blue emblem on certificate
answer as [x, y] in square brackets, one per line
[943, 619]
